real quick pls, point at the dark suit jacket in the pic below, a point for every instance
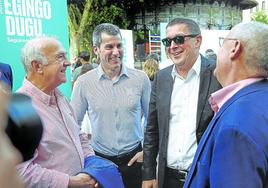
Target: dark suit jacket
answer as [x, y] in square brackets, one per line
[6, 74]
[157, 130]
[233, 152]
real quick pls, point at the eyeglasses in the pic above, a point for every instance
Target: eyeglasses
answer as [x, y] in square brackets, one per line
[57, 59]
[222, 39]
[60, 57]
[178, 39]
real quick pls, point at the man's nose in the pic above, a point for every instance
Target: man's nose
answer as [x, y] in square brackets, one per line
[173, 44]
[66, 63]
[115, 51]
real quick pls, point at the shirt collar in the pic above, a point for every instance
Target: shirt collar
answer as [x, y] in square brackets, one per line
[218, 98]
[195, 69]
[35, 92]
[101, 73]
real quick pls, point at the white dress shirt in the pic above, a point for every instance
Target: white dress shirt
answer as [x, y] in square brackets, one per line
[182, 142]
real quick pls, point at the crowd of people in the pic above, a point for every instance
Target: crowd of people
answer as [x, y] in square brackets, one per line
[200, 122]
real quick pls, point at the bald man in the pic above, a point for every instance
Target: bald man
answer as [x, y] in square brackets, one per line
[233, 151]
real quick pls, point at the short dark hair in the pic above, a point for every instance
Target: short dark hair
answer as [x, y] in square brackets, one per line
[84, 55]
[108, 28]
[192, 26]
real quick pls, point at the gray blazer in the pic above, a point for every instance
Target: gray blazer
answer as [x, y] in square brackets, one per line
[157, 130]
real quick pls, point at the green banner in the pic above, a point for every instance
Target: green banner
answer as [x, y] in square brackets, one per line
[21, 20]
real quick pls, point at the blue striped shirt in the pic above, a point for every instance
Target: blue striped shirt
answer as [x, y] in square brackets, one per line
[114, 107]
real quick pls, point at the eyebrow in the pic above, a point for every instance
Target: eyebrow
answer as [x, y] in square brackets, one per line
[61, 52]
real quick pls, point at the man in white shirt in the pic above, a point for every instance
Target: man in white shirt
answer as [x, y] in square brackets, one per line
[179, 111]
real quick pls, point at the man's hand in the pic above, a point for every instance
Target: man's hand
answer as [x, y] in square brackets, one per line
[82, 180]
[138, 157]
[149, 184]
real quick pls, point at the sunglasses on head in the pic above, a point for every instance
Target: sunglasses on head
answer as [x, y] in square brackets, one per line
[178, 39]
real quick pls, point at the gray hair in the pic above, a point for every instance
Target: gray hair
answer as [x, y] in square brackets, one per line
[192, 26]
[107, 28]
[32, 50]
[254, 39]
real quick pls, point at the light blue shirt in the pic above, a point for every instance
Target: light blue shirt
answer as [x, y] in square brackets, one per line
[115, 108]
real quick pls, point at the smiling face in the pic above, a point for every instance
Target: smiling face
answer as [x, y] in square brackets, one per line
[54, 72]
[183, 55]
[110, 52]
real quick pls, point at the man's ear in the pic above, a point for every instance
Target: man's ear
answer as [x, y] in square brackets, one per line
[236, 50]
[198, 41]
[37, 66]
[96, 50]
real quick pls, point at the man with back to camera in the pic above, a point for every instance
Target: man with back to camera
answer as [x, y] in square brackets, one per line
[115, 97]
[233, 151]
[179, 112]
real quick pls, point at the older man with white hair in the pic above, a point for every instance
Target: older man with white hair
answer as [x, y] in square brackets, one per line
[61, 153]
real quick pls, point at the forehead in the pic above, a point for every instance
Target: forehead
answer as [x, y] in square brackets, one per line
[176, 29]
[52, 47]
[110, 39]
[231, 34]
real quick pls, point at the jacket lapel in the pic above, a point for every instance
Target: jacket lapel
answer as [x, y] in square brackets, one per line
[200, 149]
[167, 89]
[205, 76]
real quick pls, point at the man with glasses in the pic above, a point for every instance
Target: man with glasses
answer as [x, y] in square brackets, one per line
[233, 151]
[61, 153]
[179, 112]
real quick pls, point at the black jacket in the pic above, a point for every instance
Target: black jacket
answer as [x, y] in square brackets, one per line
[157, 130]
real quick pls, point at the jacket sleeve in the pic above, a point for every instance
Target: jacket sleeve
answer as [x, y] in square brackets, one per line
[151, 138]
[237, 161]
[146, 90]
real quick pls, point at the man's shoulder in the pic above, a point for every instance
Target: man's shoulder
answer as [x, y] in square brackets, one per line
[136, 73]
[248, 115]
[207, 63]
[92, 74]
[249, 100]
[137, 77]
[5, 66]
[166, 70]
